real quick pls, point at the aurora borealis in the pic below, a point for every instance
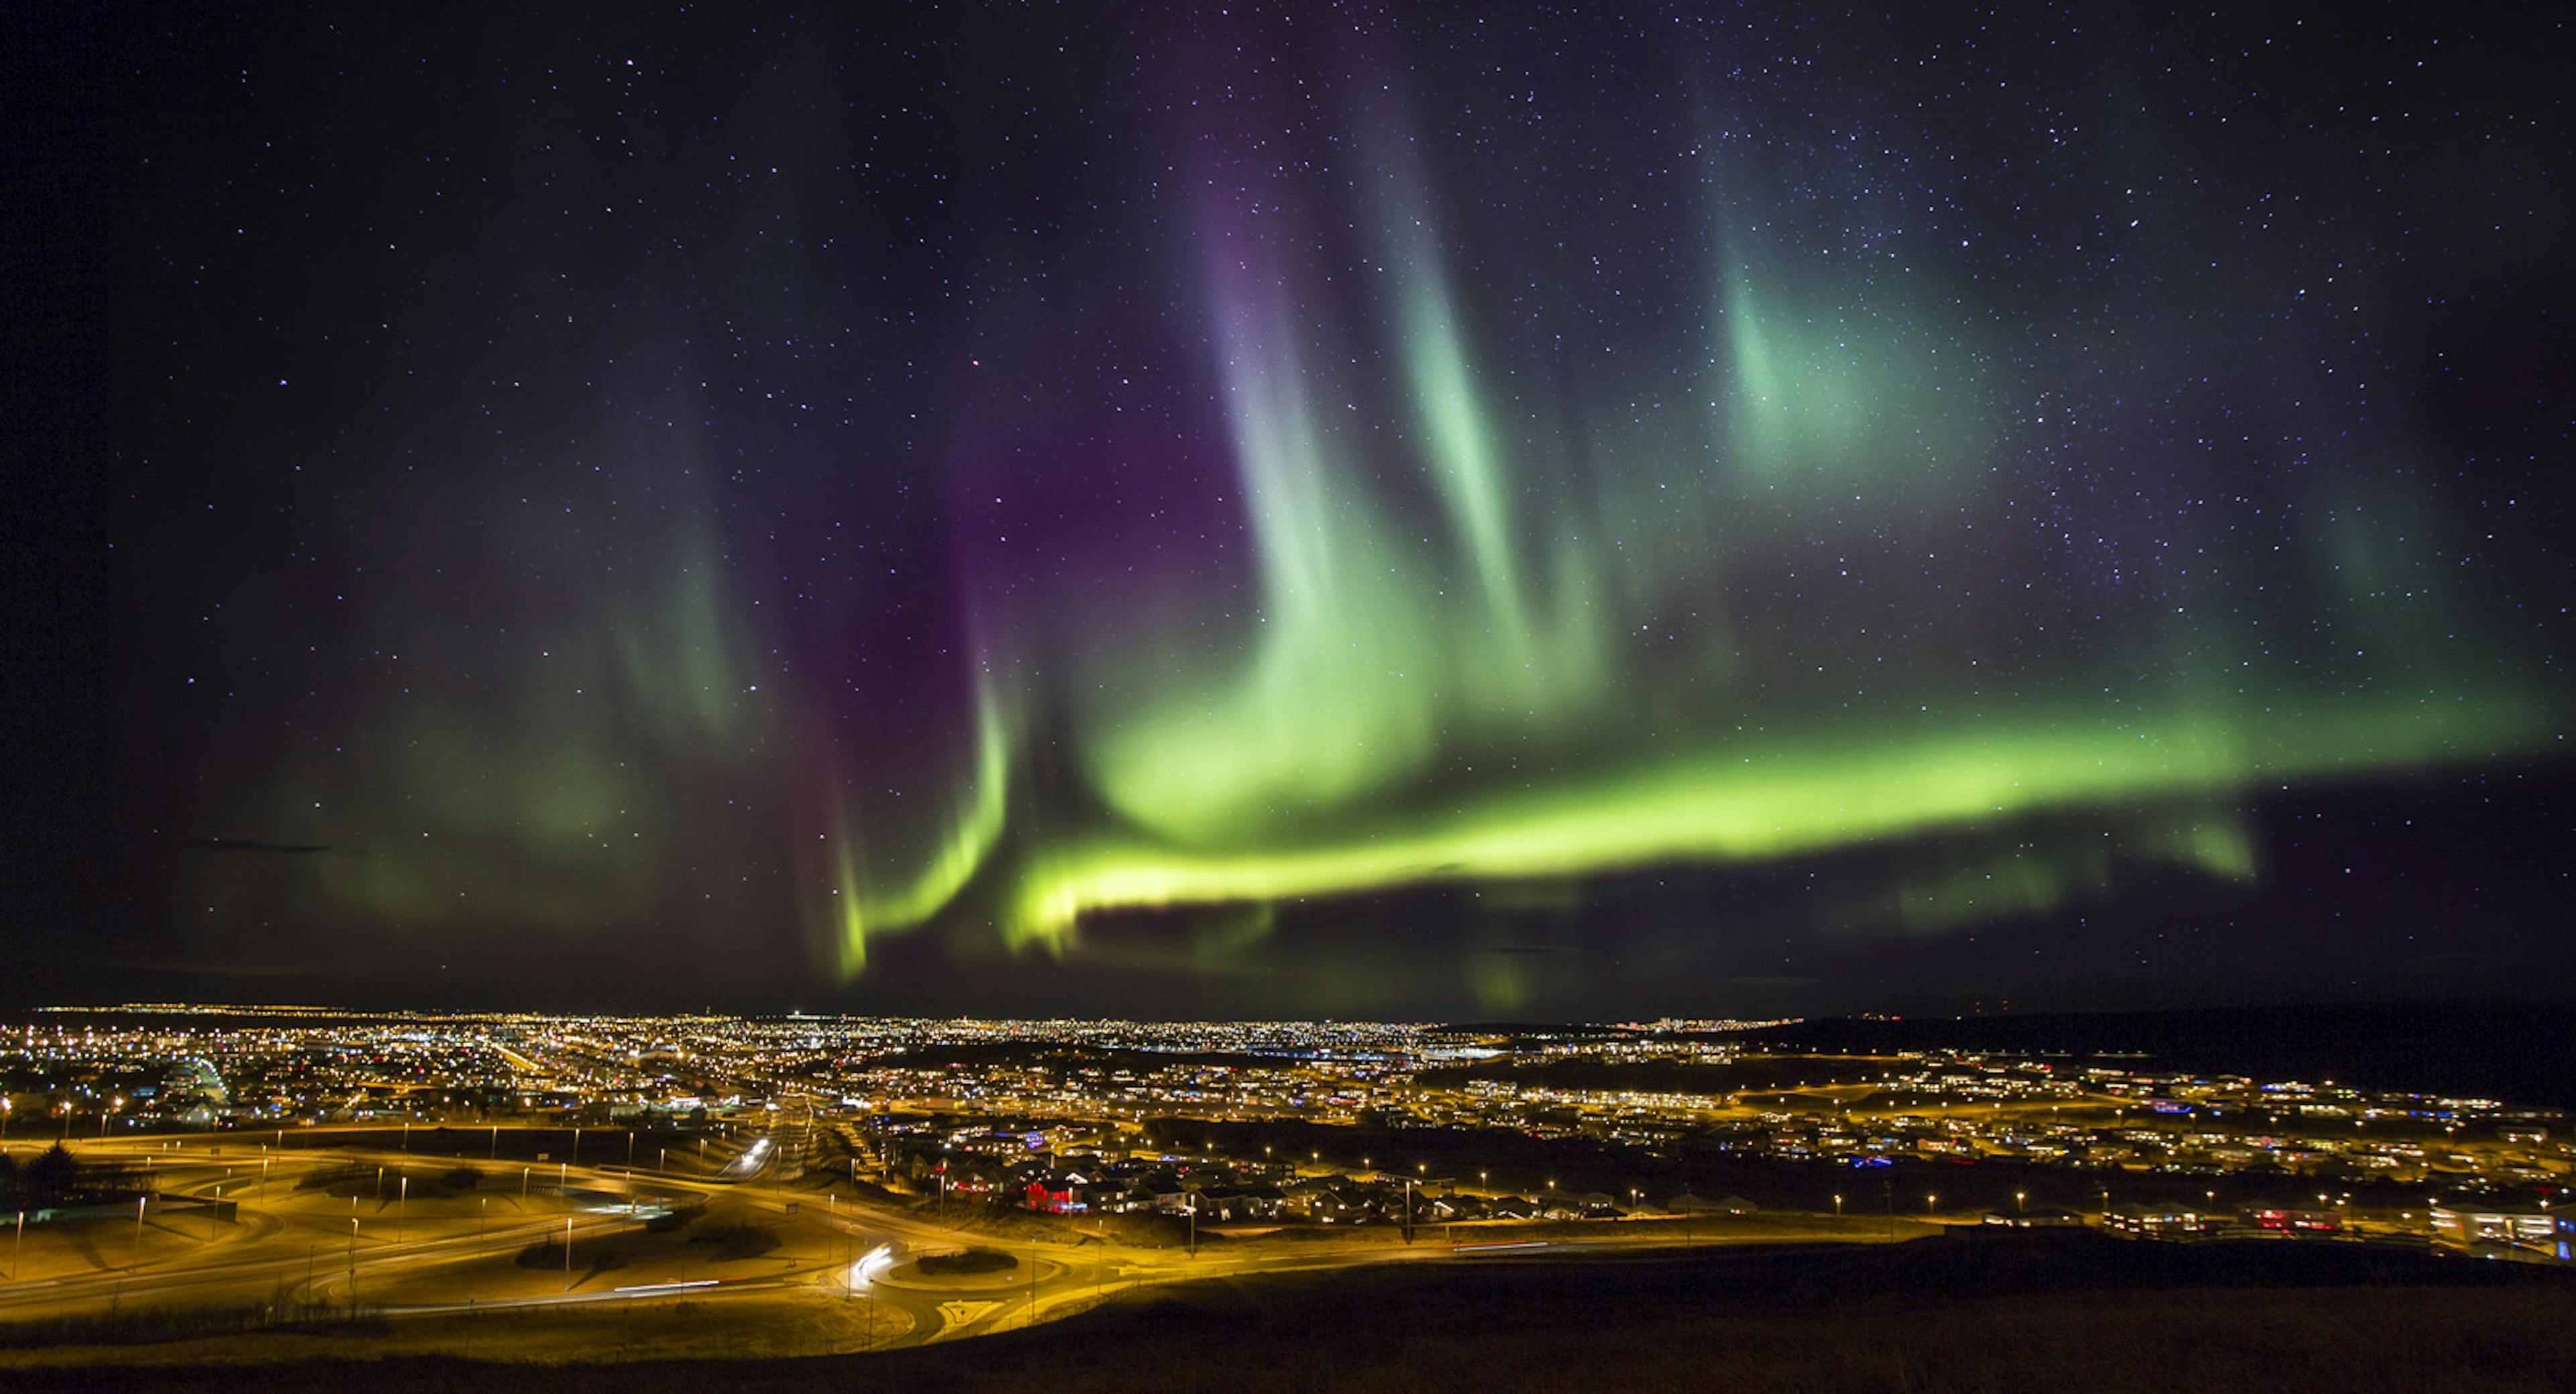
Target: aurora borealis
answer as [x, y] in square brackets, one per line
[1332, 509]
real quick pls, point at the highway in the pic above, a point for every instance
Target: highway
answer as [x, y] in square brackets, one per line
[302, 1249]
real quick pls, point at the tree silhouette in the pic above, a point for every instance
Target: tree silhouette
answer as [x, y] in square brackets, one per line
[51, 1179]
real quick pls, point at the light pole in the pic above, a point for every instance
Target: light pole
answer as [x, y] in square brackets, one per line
[1838, 1207]
[496, 1142]
[138, 1224]
[353, 1263]
[567, 1253]
[402, 1204]
[523, 1181]
[18, 1250]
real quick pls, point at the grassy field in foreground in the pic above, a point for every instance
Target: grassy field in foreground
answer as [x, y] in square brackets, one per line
[1953, 1314]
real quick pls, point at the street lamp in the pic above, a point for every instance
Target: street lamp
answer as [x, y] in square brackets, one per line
[1838, 1207]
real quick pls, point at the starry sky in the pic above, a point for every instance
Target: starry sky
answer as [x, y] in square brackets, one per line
[1348, 510]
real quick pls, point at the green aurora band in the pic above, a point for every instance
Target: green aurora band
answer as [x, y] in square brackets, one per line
[969, 839]
[1766, 510]
[1468, 701]
[1735, 808]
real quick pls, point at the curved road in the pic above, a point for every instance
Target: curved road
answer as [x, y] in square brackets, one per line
[261, 1258]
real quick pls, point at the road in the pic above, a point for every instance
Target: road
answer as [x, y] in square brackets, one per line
[298, 1252]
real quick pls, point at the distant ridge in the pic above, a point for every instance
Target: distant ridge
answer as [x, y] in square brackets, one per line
[2517, 1052]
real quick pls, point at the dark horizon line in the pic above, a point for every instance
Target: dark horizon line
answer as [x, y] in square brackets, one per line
[1867, 1018]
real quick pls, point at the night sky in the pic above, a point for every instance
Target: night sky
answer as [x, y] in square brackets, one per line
[1360, 511]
